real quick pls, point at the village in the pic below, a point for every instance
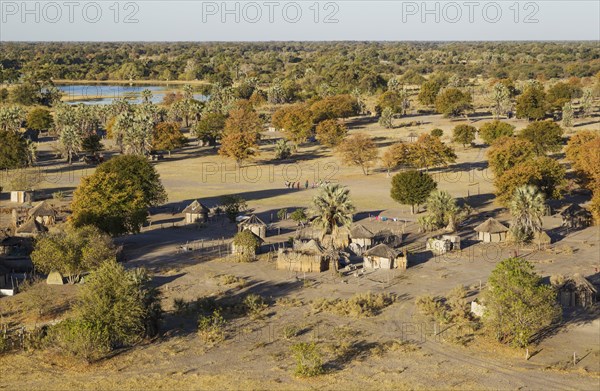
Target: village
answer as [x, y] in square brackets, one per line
[275, 222]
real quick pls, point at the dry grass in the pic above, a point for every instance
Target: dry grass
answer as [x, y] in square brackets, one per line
[358, 306]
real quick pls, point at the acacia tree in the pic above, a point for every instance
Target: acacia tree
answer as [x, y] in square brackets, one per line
[543, 172]
[532, 104]
[546, 136]
[241, 134]
[358, 150]
[491, 131]
[73, 251]
[453, 102]
[167, 136]
[210, 127]
[429, 151]
[464, 134]
[518, 305]
[397, 155]
[412, 188]
[507, 152]
[13, 150]
[295, 121]
[331, 132]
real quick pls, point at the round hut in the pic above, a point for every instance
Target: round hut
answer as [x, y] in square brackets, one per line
[254, 225]
[491, 231]
[196, 212]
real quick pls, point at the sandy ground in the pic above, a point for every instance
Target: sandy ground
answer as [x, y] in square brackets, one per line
[256, 355]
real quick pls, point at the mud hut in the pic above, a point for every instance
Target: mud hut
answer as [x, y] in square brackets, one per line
[196, 212]
[254, 225]
[384, 257]
[22, 196]
[43, 213]
[491, 231]
[361, 236]
[307, 257]
[577, 291]
[541, 239]
[576, 217]
[387, 237]
[30, 229]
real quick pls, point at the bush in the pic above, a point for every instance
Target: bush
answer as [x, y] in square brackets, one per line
[490, 131]
[437, 132]
[290, 332]
[211, 328]
[308, 359]
[82, 339]
[358, 306]
[254, 305]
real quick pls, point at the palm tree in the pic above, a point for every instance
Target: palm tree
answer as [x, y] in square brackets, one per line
[527, 207]
[441, 211]
[332, 209]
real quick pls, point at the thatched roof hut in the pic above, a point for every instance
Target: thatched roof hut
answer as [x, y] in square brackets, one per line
[383, 256]
[43, 213]
[255, 225]
[196, 212]
[577, 291]
[575, 216]
[31, 228]
[491, 231]
[541, 239]
[388, 237]
[360, 235]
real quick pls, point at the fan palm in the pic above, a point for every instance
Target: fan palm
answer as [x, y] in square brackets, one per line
[332, 210]
[527, 207]
[442, 211]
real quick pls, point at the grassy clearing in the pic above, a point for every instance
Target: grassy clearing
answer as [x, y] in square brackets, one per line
[361, 305]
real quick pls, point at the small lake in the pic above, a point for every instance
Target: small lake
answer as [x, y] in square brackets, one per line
[103, 94]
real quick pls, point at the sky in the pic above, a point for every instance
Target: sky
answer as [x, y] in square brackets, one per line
[358, 20]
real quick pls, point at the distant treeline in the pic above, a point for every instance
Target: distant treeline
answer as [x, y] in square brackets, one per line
[341, 66]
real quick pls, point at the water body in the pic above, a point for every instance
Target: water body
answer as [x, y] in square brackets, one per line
[103, 94]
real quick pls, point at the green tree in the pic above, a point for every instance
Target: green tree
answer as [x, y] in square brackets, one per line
[358, 150]
[115, 308]
[141, 173]
[561, 93]
[332, 210]
[437, 132]
[532, 103]
[518, 305]
[92, 144]
[464, 134]
[26, 94]
[299, 216]
[331, 132]
[73, 251]
[546, 136]
[13, 150]
[233, 205]
[210, 127]
[527, 207]
[39, 119]
[491, 131]
[412, 188]
[167, 136]
[430, 90]
[452, 102]
[429, 151]
[397, 101]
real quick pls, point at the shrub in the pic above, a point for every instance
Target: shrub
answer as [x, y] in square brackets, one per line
[211, 328]
[254, 305]
[437, 132]
[290, 331]
[82, 339]
[308, 359]
[358, 306]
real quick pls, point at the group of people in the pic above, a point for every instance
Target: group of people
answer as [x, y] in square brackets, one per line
[297, 185]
